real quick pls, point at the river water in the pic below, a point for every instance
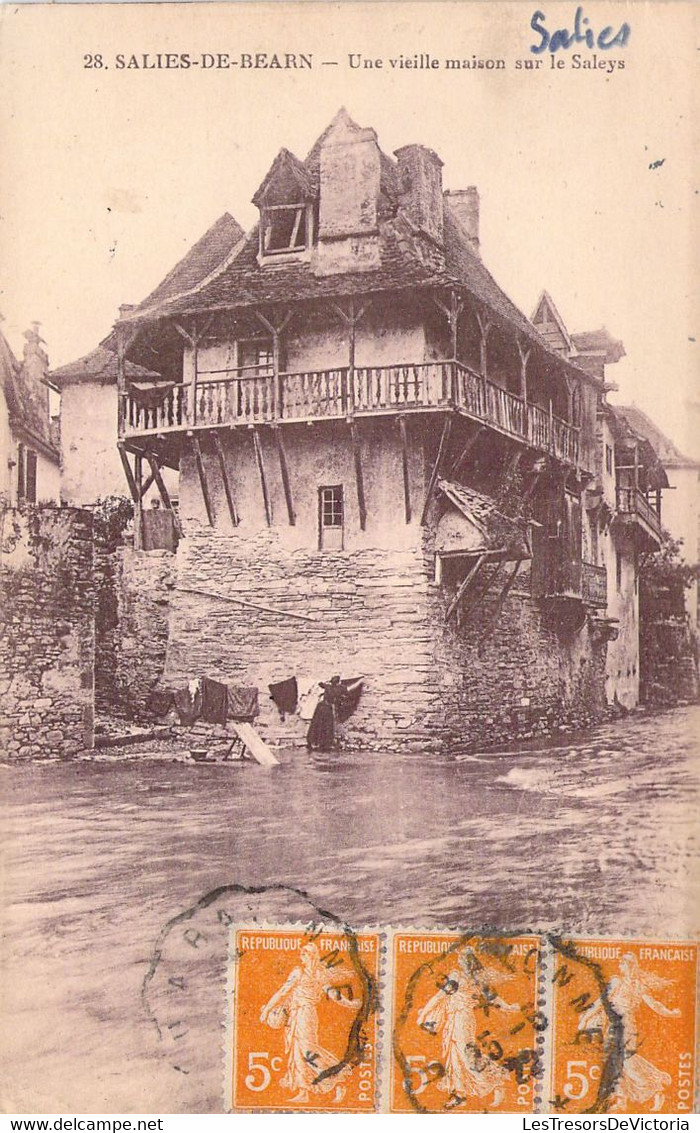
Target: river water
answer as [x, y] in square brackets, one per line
[593, 835]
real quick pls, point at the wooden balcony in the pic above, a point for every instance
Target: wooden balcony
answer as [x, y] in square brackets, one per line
[634, 507]
[255, 396]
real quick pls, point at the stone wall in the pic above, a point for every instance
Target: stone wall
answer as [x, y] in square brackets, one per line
[377, 614]
[47, 633]
[132, 631]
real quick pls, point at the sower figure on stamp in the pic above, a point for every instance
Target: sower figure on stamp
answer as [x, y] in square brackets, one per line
[451, 1013]
[639, 1080]
[295, 1006]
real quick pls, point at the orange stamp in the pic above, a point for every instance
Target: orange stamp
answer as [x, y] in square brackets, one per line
[623, 1027]
[304, 1028]
[467, 1023]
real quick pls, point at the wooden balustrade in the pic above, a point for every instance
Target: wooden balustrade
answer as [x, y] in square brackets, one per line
[230, 397]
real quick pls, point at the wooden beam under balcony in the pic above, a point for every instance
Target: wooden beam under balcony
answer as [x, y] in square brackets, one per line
[461, 459]
[228, 490]
[284, 472]
[359, 477]
[436, 467]
[405, 469]
[263, 479]
[211, 516]
[130, 479]
[164, 493]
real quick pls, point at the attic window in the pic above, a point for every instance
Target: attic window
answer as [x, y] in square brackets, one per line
[285, 229]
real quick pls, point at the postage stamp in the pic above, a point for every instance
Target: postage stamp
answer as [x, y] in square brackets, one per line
[467, 1023]
[623, 1027]
[303, 1022]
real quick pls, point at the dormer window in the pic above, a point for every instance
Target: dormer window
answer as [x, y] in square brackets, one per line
[284, 229]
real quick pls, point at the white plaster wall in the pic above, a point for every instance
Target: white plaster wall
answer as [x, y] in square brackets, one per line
[48, 480]
[90, 464]
[7, 454]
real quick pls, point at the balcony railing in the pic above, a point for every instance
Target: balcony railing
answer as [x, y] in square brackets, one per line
[594, 585]
[632, 502]
[256, 396]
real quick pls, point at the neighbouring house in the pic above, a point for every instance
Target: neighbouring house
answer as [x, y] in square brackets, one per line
[28, 432]
[621, 504]
[385, 468]
[681, 515]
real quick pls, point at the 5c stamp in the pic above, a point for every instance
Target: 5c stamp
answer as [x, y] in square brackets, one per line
[303, 1030]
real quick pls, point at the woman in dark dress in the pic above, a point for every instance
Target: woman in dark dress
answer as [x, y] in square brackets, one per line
[321, 733]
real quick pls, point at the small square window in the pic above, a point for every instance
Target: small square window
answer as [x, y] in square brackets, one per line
[330, 515]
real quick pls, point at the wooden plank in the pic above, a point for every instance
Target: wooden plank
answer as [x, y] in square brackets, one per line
[359, 478]
[227, 483]
[164, 493]
[405, 468]
[436, 468]
[263, 480]
[248, 605]
[459, 462]
[128, 473]
[254, 744]
[286, 483]
[463, 587]
[203, 479]
[505, 590]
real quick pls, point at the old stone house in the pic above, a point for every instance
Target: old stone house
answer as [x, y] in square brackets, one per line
[28, 433]
[385, 469]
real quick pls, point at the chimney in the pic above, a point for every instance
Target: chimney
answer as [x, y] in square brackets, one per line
[35, 358]
[126, 309]
[350, 173]
[465, 206]
[420, 174]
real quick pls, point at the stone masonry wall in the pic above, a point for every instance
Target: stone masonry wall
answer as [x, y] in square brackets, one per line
[132, 628]
[377, 614]
[47, 634]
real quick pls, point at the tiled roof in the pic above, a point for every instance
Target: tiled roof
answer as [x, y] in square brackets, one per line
[663, 446]
[598, 341]
[203, 258]
[499, 531]
[407, 260]
[99, 366]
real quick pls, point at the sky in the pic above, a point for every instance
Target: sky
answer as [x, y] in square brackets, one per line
[586, 177]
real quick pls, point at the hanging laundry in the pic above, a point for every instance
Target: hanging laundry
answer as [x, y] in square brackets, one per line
[310, 692]
[150, 397]
[214, 701]
[348, 702]
[285, 694]
[188, 702]
[242, 702]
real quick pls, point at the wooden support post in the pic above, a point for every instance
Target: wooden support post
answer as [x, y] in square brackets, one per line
[275, 330]
[459, 462]
[121, 388]
[263, 480]
[192, 341]
[359, 478]
[436, 468]
[128, 473]
[636, 467]
[227, 483]
[351, 318]
[146, 484]
[405, 469]
[164, 493]
[203, 478]
[463, 587]
[484, 329]
[138, 509]
[452, 313]
[284, 470]
[524, 353]
[500, 601]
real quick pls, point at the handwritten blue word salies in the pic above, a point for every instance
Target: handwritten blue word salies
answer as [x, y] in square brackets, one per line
[563, 39]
